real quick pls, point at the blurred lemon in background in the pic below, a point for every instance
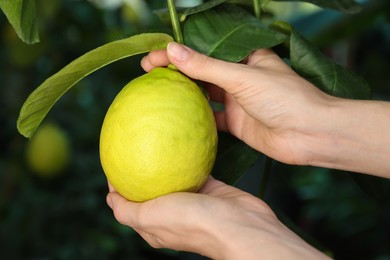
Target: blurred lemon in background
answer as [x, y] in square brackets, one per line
[48, 151]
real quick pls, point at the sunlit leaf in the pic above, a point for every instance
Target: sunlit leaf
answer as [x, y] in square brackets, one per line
[228, 32]
[346, 6]
[200, 8]
[163, 14]
[22, 16]
[46, 95]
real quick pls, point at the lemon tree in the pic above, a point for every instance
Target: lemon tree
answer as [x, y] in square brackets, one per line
[224, 29]
[159, 136]
[155, 139]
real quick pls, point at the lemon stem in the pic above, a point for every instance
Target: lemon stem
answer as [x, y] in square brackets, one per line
[172, 67]
[175, 22]
[256, 7]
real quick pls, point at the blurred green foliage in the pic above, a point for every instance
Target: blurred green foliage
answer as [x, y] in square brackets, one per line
[67, 217]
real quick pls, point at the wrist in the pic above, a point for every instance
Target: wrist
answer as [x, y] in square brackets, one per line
[310, 126]
[267, 240]
[349, 135]
[317, 137]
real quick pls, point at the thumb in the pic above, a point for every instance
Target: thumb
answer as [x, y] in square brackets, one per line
[125, 211]
[224, 74]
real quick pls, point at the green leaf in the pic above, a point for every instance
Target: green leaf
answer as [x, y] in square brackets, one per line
[323, 72]
[22, 16]
[200, 8]
[228, 32]
[163, 14]
[248, 3]
[309, 62]
[46, 95]
[234, 158]
[346, 6]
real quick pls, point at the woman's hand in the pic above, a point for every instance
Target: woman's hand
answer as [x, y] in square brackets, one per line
[271, 108]
[220, 222]
[267, 105]
[277, 112]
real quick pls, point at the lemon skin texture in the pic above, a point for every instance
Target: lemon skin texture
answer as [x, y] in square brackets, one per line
[158, 136]
[48, 151]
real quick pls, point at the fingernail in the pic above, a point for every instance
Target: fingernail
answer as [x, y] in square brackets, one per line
[177, 51]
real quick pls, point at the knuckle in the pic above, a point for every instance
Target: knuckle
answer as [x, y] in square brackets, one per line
[203, 66]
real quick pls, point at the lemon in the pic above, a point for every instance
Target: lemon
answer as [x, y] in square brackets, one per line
[158, 136]
[48, 151]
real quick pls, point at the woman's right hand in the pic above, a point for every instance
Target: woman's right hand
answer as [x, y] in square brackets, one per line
[267, 105]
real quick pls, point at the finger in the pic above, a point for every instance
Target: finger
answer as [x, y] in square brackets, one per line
[258, 55]
[154, 59]
[220, 120]
[198, 66]
[210, 184]
[158, 58]
[145, 64]
[218, 188]
[229, 119]
[124, 211]
[266, 58]
[110, 187]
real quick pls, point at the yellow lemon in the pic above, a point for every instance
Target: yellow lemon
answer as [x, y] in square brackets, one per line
[48, 151]
[158, 136]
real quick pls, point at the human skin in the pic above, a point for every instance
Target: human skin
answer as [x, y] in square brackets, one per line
[277, 112]
[220, 222]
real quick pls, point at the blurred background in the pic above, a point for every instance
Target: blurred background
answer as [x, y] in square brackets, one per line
[64, 215]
